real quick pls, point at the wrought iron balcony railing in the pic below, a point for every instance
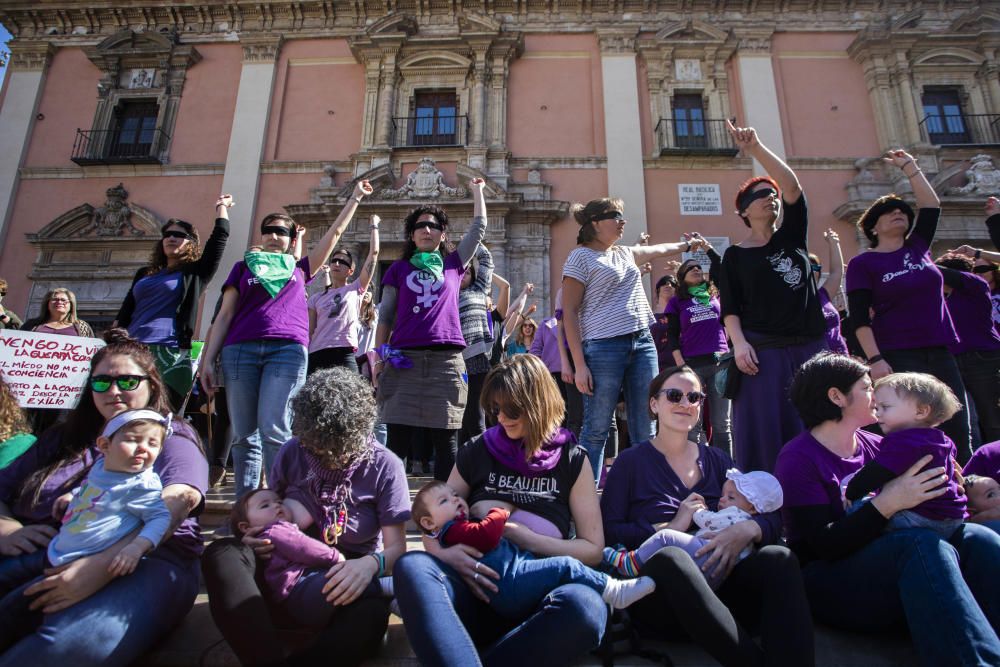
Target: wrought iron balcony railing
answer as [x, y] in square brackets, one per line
[961, 130]
[118, 146]
[684, 136]
[429, 131]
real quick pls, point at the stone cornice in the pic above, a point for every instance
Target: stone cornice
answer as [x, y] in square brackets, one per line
[78, 21]
[260, 47]
[30, 56]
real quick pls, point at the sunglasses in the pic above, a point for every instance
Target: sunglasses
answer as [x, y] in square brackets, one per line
[509, 412]
[175, 234]
[101, 383]
[342, 262]
[277, 230]
[617, 216]
[420, 224]
[750, 197]
[674, 395]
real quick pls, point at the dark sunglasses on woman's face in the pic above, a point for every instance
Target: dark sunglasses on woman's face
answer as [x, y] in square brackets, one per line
[277, 230]
[101, 383]
[509, 412]
[420, 224]
[175, 234]
[674, 395]
[342, 262]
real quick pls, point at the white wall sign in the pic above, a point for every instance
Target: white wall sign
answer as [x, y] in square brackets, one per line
[141, 78]
[700, 199]
[46, 370]
[686, 69]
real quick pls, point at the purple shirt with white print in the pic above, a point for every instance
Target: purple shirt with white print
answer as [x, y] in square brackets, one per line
[426, 308]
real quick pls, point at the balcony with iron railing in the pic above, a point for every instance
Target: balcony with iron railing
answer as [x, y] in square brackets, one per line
[429, 131]
[117, 147]
[961, 130]
[686, 136]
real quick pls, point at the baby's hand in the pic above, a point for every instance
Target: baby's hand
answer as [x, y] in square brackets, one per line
[126, 561]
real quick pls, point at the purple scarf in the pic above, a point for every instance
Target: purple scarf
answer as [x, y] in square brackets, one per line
[332, 490]
[511, 454]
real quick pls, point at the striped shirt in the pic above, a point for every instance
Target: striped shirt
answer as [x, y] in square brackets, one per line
[614, 303]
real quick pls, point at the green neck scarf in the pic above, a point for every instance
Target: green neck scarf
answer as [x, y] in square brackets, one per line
[271, 269]
[431, 262]
[700, 293]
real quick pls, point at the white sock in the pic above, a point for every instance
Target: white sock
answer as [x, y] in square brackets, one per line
[620, 593]
[385, 583]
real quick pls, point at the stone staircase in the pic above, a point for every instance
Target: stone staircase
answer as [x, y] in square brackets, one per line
[198, 643]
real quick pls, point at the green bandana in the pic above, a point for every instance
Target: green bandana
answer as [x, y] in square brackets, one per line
[272, 269]
[700, 293]
[431, 262]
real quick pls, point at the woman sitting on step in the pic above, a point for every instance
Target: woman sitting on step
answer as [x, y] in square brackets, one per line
[356, 496]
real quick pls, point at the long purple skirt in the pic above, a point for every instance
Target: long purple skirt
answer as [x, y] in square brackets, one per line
[763, 416]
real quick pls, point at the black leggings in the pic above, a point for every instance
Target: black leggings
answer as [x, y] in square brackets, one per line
[474, 419]
[763, 594]
[332, 357]
[244, 618]
[418, 442]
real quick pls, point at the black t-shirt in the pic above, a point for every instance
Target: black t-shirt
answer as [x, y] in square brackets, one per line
[546, 495]
[770, 288]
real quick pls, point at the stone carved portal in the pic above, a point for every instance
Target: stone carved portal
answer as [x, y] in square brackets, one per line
[95, 252]
[518, 232]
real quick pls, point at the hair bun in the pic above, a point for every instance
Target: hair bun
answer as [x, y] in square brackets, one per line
[118, 335]
[576, 210]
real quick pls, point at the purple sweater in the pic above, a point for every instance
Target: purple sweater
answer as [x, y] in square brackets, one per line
[643, 490]
[294, 553]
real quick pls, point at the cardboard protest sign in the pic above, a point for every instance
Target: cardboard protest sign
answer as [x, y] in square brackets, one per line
[46, 370]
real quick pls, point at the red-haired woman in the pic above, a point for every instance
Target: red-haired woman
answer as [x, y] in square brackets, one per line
[770, 307]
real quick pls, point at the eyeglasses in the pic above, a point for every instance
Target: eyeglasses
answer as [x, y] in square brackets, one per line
[509, 412]
[174, 234]
[101, 383]
[420, 224]
[674, 395]
[342, 262]
[59, 300]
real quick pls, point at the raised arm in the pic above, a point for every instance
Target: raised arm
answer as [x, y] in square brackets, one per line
[325, 246]
[477, 230]
[647, 253]
[503, 295]
[368, 269]
[836, 276]
[746, 140]
[922, 190]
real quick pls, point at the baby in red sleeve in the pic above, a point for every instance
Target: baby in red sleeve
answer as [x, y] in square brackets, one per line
[444, 515]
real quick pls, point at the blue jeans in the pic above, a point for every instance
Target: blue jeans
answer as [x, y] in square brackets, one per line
[525, 580]
[261, 377]
[16, 570]
[622, 362]
[719, 409]
[946, 591]
[115, 625]
[447, 625]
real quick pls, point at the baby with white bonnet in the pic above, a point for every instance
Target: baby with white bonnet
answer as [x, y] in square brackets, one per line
[744, 495]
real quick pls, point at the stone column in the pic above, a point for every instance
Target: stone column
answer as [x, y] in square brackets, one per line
[370, 120]
[477, 107]
[387, 99]
[907, 102]
[29, 62]
[246, 150]
[622, 133]
[759, 93]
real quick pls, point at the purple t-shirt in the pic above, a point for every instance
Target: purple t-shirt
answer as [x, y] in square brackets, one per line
[907, 296]
[426, 308]
[180, 462]
[379, 495]
[985, 461]
[642, 490]
[701, 326]
[971, 310]
[834, 337]
[157, 298]
[545, 345]
[810, 474]
[901, 449]
[658, 330]
[337, 312]
[259, 317]
[294, 553]
[65, 331]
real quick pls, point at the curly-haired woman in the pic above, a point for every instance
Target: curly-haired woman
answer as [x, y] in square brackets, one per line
[15, 434]
[355, 493]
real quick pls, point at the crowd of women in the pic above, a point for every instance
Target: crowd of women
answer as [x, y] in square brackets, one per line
[745, 366]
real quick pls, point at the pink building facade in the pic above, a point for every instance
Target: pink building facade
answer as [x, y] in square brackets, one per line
[114, 119]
